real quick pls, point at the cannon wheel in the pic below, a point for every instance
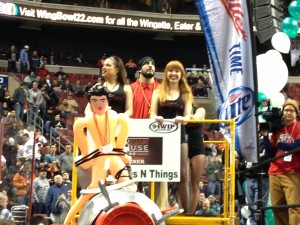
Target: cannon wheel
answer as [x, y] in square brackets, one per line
[125, 214]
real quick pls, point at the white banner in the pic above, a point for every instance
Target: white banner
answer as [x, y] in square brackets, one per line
[155, 150]
[227, 32]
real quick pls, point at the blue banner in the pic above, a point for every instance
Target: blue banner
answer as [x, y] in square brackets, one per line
[227, 32]
[3, 80]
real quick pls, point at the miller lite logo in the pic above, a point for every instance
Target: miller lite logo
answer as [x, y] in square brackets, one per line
[235, 13]
[238, 105]
[165, 127]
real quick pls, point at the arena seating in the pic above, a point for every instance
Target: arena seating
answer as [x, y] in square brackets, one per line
[294, 90]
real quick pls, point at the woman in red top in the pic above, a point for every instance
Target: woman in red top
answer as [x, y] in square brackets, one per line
[284, 173]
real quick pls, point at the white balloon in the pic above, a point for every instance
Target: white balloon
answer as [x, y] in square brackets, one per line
[277, 99]
[272, 73]
[274, 55]
[260, 58]
[281, 42]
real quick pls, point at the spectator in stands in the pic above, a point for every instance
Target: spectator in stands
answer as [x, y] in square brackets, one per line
[68, 106]
[100, 63]
[12, 117]
[88, 86]
[66, 86]
[3, 89]
[52, 196]
[285, 92]
[24, 61]
[205, 70]
[38, 80]
[25, 150]
[55, 85]
[206, 209]
[40, 188]
[131, 70]
[54, 98]
[12, 130]
[61, 73]
[64, 204]
[52, 171]
[207, 85]
[66, 179]
[35, 100]
[297, 65]
[12, 57]
[66, 159]
[19, 137]
[201, 198]
[8, 176]
[52, 60]
[47, 80]
[40, 138]
[200, 89]
[49, 116]
[191, 78]
[202, 189]
[56, 125]
[42, 69]
[46, 98]
[8, 99]
[38, 220]
[19, 98]
[52, 156]
[60, 81]
[29, 79]
[34, 62]
[10, 151]
[29, 129]
[5, 110]
[5, 213]
[173, 202]
[78, 89]
[79, 59]
[21, 183]
[214, 172]
[214, 204]
[4, 182]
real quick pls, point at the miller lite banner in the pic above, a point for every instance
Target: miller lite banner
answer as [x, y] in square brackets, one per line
[228, 37]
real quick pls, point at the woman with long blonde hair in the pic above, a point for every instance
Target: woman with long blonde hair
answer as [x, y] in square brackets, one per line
[173, 100]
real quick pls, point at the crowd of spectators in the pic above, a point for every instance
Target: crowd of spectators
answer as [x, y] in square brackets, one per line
[28, 156]
[53, 97]
[199, 80]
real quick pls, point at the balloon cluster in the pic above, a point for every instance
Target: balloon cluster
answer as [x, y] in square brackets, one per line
[272, 71]
[289, 25]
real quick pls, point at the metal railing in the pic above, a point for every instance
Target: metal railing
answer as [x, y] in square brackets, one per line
[35, 121]
[60, 141]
